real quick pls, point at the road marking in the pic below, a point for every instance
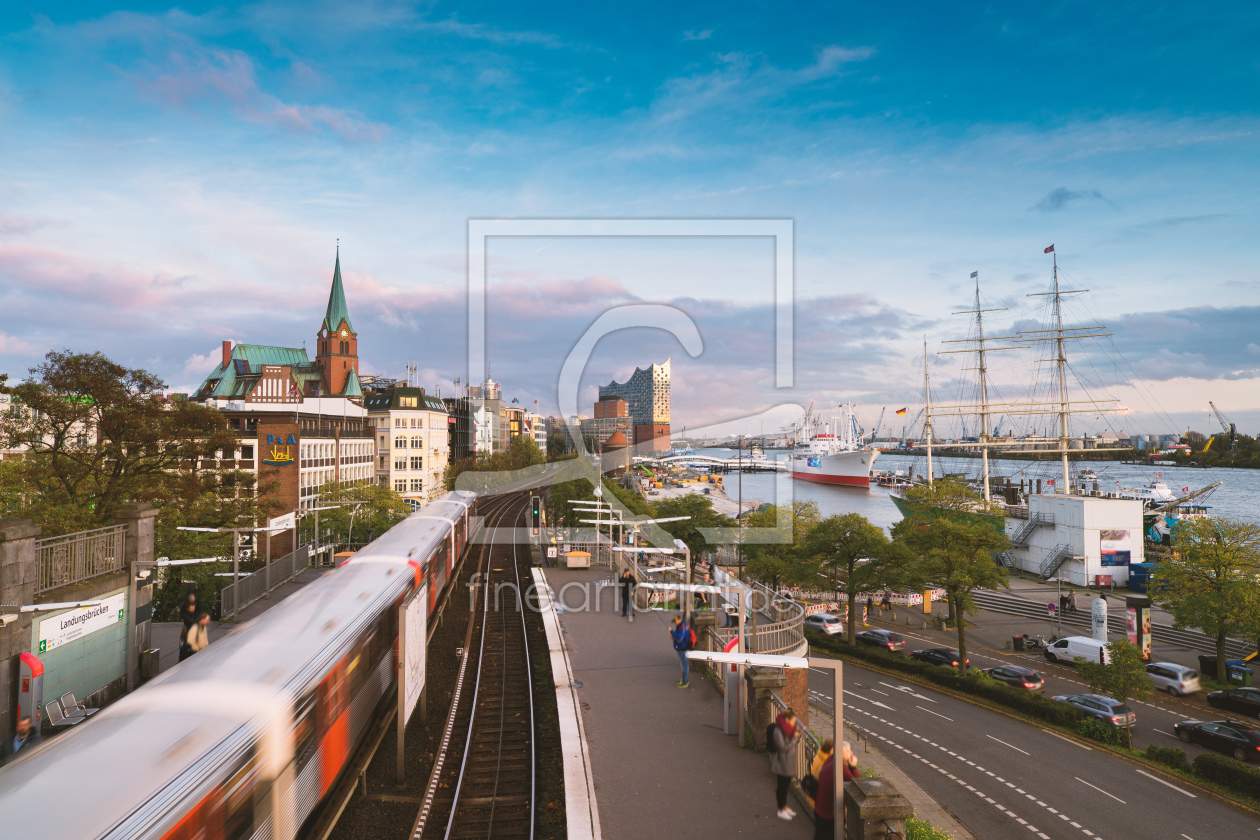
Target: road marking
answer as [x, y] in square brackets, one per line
[877, 691]
[874, 702]
[1012, 746]
[1187, 836]
[1100, 790]
[1069, 740]
[905, 689]
[1168, 784]
[1162, 732]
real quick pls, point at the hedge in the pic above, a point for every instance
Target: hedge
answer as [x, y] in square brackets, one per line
[1101, 731]
[1025, 702]
[1169, 756]
[917, 829]
[1230, 773]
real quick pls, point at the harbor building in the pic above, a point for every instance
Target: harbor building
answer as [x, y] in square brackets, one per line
[1078, 538]
[647, 395]
[612, 414]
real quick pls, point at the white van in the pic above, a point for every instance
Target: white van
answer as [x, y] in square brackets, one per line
[1066, 650]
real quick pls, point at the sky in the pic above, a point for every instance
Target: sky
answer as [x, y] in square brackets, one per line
[173, 176]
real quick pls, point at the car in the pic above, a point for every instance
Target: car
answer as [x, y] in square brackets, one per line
[886, 639]
[1242, 700]
[1237, 739]
[824, 623]
[1176, 679]
[1018, 676]
[1069, 649]
[1096, 705]
[938, 656]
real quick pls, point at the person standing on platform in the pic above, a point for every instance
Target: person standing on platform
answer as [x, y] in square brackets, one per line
[188, 610]
[1072, 602]
[820, 758]
[627, 582]
[785, 741]
[198, 637]
[681, 634]
[825, 803]
[23, 738]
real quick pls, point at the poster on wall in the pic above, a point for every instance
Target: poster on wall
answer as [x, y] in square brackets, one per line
[1114, 548]
[75, 624]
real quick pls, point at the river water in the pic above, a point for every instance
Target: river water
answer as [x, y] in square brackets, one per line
[1238, 497]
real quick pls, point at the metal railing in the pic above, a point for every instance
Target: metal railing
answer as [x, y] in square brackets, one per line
[249, 588]
[74, 558]
[1051, 564]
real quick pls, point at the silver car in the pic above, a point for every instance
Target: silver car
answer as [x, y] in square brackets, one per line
[825, 623]
[1176, 679]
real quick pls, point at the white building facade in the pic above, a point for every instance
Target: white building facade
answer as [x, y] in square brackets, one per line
[412, 442]
[1078, 538]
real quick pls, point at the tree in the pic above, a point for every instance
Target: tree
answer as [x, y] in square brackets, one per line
[557, 445]
[95, 434]
[955, 554]
[522, 452]
[782, 560]
[856, 554]
[352, 524]
[1209, 580]
[1123, 678]
[700, 509]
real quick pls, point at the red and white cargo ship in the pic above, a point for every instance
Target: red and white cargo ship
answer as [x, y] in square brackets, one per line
[833, 453]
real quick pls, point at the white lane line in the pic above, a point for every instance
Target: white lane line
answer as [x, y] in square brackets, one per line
[851, 693]
[1100, 790]
[1168, 784]
[877, 691]
[1187, 836]
[1012, 746]
[1169, 734]
[1069, 740]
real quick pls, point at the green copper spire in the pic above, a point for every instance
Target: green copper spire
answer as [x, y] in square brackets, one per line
[337, 311]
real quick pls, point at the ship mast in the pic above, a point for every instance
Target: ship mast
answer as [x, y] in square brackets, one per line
[984, 392]
[927, 410]
[1061, 363]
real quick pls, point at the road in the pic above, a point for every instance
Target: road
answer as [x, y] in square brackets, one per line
[1001, 776]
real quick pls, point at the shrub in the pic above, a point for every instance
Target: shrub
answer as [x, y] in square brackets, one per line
[917, 829]
[1098, 730]
[1236, 775]
[1168, 756]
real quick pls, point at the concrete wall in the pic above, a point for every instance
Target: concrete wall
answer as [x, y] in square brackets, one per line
[18, 574]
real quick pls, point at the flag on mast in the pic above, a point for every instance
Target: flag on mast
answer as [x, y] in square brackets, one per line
[974, 275]
[901, 411]
[1048, 250]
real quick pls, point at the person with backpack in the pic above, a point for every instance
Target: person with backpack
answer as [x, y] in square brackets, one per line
[684, 640]
[782, 744]
[628, 583]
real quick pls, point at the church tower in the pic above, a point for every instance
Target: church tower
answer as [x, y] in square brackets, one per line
[337, 345]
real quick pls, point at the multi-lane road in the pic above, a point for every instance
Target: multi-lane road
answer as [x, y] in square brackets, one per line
[1001, 776]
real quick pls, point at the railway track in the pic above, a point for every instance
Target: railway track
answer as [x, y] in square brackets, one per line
[484, 779]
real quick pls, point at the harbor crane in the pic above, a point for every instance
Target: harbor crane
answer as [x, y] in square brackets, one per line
[879, 424]
[1226, 426]
[912, 425]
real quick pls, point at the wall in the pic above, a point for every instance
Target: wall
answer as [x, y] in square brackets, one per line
[285, 476]
[87, 664]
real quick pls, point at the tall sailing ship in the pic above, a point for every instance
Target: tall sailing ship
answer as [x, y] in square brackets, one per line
[1056, 336]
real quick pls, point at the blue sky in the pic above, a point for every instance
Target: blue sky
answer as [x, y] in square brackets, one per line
[174, 176]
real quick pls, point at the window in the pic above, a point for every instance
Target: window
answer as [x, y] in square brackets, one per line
[383, 462]
[400, 443]
[400, 463]
[417, 463]
[247, 453]
[417, 485]
[400, 485]
[417, 443]
[398, 422]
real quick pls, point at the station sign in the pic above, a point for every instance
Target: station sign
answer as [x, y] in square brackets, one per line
[65, 627]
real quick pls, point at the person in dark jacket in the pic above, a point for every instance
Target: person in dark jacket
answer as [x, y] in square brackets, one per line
[24, 738]
[188, 612]
[785, 741]
[681, 634]
[627, 582]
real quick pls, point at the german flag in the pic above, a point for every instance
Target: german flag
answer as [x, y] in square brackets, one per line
[901, 411]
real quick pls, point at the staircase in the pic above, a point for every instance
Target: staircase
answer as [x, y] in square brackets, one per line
[1032, 523]
[1006, 560]
[1051, 564]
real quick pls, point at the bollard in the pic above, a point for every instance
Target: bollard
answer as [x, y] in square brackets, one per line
[873, 810]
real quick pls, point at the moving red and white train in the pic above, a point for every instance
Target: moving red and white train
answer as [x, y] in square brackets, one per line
[244, 739]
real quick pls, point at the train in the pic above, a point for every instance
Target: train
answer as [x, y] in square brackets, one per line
[243, 740]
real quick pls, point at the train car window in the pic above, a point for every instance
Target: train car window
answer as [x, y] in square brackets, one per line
[381, 641]
[238, 800]
[357, 669]
[330, 698]
[304, 731]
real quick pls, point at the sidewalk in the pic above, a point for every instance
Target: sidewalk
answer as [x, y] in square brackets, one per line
[661, 763]
[165, 636]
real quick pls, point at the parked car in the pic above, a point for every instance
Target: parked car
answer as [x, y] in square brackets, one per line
[1173, 678]
[1242, 700]
[938, 656]
[1103, 708]
[1018, 676]
[886, 639]
[1066, 650]
[1237, 739]
[824, 623]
